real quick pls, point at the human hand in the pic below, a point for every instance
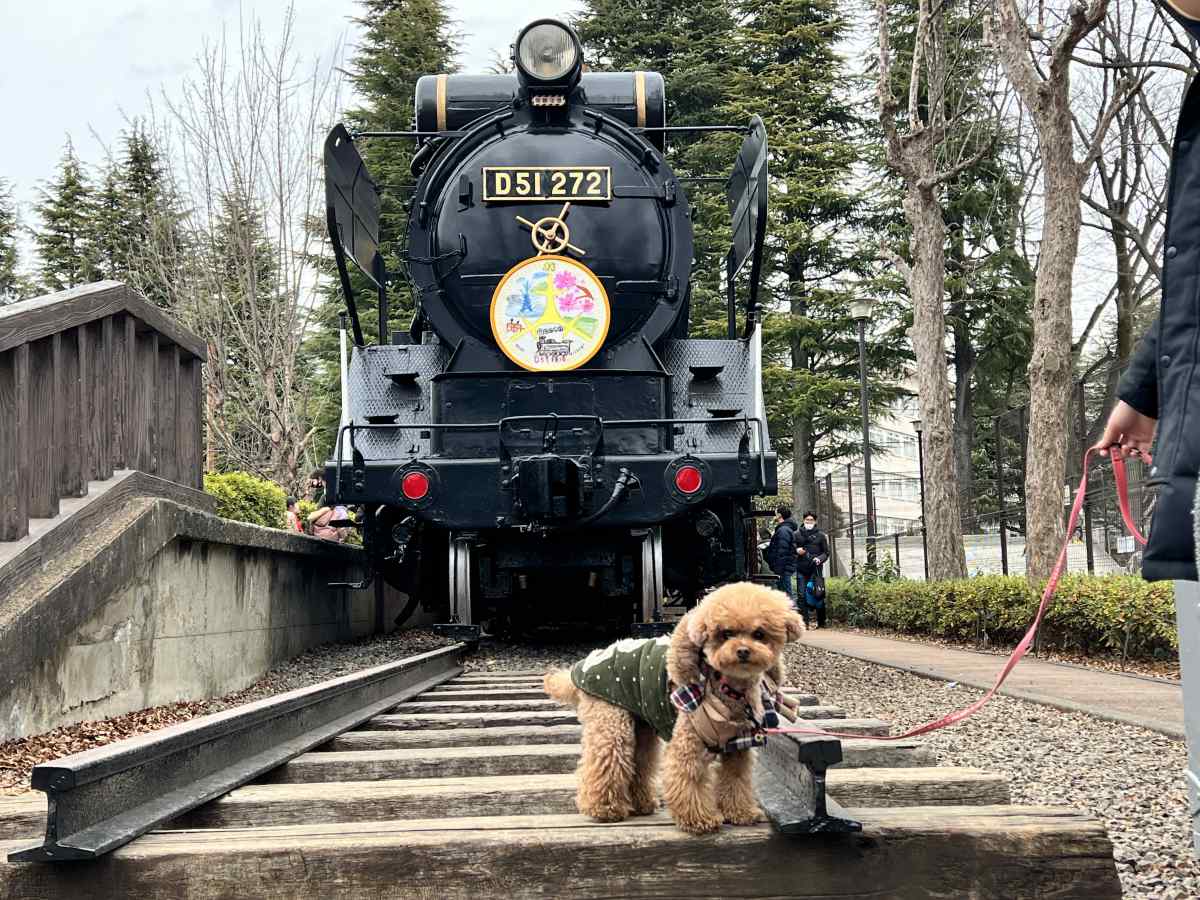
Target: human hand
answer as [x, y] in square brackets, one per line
[1127, 433]
[800, 551]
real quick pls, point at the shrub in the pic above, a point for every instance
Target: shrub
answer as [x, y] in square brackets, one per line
[245, 498]
[1088, 614]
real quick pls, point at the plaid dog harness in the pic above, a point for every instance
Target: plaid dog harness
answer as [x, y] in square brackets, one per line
[725, 718]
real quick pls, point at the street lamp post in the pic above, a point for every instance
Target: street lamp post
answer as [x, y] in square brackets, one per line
[921, 473]
[860, 310]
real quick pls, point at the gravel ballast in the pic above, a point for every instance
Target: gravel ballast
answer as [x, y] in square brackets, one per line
[1130, 778]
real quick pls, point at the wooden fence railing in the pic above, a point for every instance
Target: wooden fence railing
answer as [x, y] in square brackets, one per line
[93, 379]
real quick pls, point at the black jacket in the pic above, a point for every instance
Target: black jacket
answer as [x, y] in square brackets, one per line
[816, 549]
[781, 552]
[1162, 380]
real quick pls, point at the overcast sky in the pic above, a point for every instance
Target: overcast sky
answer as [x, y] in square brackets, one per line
[82, 66]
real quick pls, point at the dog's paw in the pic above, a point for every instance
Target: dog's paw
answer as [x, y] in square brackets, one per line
[603, 813]
[699, 824]
[646, 806]
[750, 815]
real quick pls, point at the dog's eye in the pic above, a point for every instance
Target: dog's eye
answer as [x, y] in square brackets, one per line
[727, 634]
[758, 635]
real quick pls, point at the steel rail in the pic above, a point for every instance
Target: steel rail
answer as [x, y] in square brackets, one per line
[101, 799]
[789, 779]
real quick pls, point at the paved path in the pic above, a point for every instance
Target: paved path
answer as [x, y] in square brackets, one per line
[1147, 702]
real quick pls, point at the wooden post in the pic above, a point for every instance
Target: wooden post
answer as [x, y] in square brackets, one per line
[124, 398]
[14, 442]
[166, 412]
[189, 433]
[145, 432]
[103, 391]
[67, 419]
[44, 394]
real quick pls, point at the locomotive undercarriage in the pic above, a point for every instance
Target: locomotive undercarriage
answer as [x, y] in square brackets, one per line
[521, 580]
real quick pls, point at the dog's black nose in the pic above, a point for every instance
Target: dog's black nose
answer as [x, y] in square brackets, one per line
[743, 654]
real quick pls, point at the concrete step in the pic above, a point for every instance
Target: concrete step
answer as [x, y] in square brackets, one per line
[985, 852]
[467, 706]
[494, 736]
[455, 762]
[259, 805]
[529, 718]
[485, 693]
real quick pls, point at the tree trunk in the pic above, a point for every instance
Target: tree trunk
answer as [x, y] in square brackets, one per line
[927, 285]
[212, 408]
[964, 414]
[1050, 365]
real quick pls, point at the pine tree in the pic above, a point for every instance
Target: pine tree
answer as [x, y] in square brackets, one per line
[692, 45]
[401, 41]
[798, 83]
[63, 240]
[136, 220]
[11, 284]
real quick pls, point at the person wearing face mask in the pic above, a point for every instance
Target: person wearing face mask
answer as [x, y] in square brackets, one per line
[781, 554]
[812, 549]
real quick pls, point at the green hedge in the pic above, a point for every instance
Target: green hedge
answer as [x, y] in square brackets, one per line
[246, 498]
[1089, 614]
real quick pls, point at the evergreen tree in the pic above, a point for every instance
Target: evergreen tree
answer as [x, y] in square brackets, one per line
[11, 284]
[401, 41]
[135, 219]
[63, 240]
[795, 79]
[107, 244]
[693, 46]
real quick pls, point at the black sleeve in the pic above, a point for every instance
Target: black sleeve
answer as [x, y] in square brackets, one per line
[1139, 384]
[1192, 25]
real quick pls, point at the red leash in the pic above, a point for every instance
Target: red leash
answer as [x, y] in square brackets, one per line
[1060, 566]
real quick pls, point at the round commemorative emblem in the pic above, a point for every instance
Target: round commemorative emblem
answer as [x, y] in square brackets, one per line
[550, 313]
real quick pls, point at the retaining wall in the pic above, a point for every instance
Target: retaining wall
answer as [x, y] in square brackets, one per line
[162, 602]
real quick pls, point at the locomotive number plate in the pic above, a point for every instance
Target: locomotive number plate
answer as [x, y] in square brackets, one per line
[526, 183]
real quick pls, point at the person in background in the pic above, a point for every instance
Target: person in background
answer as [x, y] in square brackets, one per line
[812, 549]
[781, 553]
[293, 515]
[316, 487]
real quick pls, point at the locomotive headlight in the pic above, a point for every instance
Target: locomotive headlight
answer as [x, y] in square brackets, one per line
[548, 54]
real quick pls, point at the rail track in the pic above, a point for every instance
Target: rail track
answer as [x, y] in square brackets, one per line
[465, 788]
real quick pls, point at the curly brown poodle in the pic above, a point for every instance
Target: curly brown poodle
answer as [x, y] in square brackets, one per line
[723, 648]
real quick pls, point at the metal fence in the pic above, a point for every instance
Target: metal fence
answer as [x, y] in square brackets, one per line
[992, 499]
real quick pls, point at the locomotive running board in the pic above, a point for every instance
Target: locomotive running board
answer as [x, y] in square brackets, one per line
[789, 779]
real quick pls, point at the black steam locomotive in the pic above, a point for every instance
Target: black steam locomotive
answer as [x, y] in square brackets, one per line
[545, 441]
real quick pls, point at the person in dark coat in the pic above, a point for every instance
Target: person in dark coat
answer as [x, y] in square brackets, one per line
[1160, 391]
[812, 550]
[781, 552]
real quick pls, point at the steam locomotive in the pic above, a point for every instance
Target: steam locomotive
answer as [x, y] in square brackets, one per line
[545, 442]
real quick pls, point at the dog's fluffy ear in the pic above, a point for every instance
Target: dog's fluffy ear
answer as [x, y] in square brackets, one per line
[697, 628]
[794, 626]
[687, 642]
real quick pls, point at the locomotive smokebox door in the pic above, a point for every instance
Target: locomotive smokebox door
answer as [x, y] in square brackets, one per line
[549, 487]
